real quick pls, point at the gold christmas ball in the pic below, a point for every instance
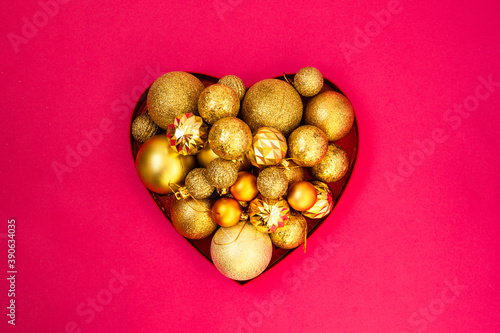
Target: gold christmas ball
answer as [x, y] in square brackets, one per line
[307, 145]
[333, 167]
[143, 128]
[230, 138]
[267, 215]
[218, 101]
[272, 183]
[308, 81]
[198, 185]
[243, 163]
[234, 83]
[159, 166]
[301, 196]
[187, 134]
[245, 187]
[222, 174]
[324, 201]
[241, 254]
[268, 147]
[205, 156]
[293, 173]
[272, 103]
[193, 219]
[331, 112]
[172, 94]
[292, 234]
[226, 212]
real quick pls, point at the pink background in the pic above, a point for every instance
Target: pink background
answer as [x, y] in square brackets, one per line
[397, 244]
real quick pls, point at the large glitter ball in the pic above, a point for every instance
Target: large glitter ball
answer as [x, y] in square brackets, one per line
[268, 147]
[267, 215]
[230, 138]
[187, 134]
[324, 202]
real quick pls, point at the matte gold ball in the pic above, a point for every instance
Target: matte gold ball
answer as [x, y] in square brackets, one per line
[272, 103]
[292, 234]
[332, 113]
[245, 187]
[301, 196]
[226, 212]
[143, 128]
[308, 81]
[307, 145]
[197, 184]
[218, 101]
[272, 183]
[205, 156]
[235, 83]
[172, 94]
[193, 219]
[333, 167]
[222, 173]
[230, 138]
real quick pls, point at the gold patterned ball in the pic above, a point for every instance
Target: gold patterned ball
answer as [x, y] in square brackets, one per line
[187, 134]
[308, 81]
[292, 234]
[193, 219]
[332, 113]
[293, 173]
[272, 103]
[268, 215]
[268, 147]
[272, 183]
[172, 94]
[222, 174]
[197, 184]
[333, 167]
[234, 83]
[230, 138]
[324, 201]
[218, 101]
[143, 128]
[307, 145]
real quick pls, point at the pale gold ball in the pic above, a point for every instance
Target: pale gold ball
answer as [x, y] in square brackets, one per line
[272, 183]
[332, 113]
[230, 138]
[143, 128]
[333, 167]
[222, 173]
[292, 234]
[218, 101]
[234, 83]
[308, 81]
[307, 145]
[193, 219]
[197, 184]
[205, 156]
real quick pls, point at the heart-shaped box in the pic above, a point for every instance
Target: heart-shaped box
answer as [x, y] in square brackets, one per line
[349, 143]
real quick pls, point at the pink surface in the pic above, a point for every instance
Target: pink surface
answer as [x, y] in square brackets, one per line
[413, 243]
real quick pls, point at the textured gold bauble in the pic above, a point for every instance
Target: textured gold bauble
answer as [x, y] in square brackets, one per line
[226, 212]
[205, 156]
[267, 215]
[293, 173]
[324, 201]
[234, 83]
[272, 183]
[222, 173]
[268, 147]
[172, 94]
[245, 187]
[301, 196]
[308, 81]
[272, 103]
[307, 145]
[292, 234]
[192, 218]
[218, 101]
[187, 134]
[331, 112]
[143, 128]
[242, 254]
[159, 166]
[333, 167]
[230, 138]
[197, 184]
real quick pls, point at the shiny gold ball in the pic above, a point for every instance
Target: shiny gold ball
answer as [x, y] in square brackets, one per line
[333, 167]
[292, 234]
[159, 166]
[272, 183]
[332, 113]
[267, 215]
[187, 134]
[172, 94]
[272, 103]
[307, 145]
[218, 101]
[293, 173]
[143, 128]
[205, 156]
[197, 184]
[245, 187]
[268, 147]
[230, 138]
[222, 173]
[193, 219]
[308, 81]
[226, 212]
[301, 196]
[234, 83]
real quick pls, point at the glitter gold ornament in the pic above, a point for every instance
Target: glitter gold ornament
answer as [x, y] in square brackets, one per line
[267, 215]
[187, 134]
[226, 212]
[307, 145]
[205, 156]
[241, 252]
[331, 112]
[301, 196]
[324, 201]
[234, 83]
[333, 167]
[198, 185]
[143, 128]
[172, 94]
[230, 138]
[272, 103]
[292, 234]
[308, 81]
[293, 173]
[192, 218]
[272, 183]
[159, 166]
[218, 101]
[245, 187]
[268, 147]
[222, 174]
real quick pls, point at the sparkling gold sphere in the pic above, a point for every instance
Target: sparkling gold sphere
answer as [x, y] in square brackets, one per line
[333, 167]
[245, 187]
[292, 234]
[193, 219]
[301, 196]
[268, 147]
[230, 138]
[218, 101]
[272, 103]
[308, 81]
[226, 212]
[307, 145]
[332, 113]
[143, 128]
[172, 94]
[197, 184]
[222, 173]
[235, 83]
[272, 183]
